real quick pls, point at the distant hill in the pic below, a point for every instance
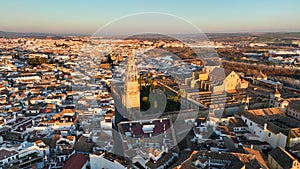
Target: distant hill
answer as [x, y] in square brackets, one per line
[264, 37]
[33, 34]
[257, 37]
[152, 37]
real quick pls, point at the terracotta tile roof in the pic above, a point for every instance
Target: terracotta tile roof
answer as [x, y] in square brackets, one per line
[38, 142]
[236, 122]
[71, 138]
[67, 111]
[76, 161]
[258, 156]
[234, 160]
[165, 157]
[266, 112]
[282, 157]
[295, 132]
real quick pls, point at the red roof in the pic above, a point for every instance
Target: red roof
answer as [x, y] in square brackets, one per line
[76, 161]
[47, 110]
[136, 128]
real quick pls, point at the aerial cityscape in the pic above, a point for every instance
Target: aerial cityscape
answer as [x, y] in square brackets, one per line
[149, 89]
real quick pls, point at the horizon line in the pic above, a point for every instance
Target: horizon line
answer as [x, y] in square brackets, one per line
[90, 34]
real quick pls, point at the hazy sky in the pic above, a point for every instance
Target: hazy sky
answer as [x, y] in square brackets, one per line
[87, 16]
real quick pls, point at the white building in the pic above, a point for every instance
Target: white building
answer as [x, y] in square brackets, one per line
[104, 161]
[7, 157]
[268, 125]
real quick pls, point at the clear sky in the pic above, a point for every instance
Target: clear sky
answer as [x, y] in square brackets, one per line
[86, 16]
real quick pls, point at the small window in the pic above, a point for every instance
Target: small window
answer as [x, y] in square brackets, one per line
[269, 134]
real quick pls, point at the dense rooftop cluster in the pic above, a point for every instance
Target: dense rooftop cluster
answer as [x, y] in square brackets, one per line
[60, 106]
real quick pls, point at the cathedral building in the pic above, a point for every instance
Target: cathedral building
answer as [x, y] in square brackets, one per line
[218, 79]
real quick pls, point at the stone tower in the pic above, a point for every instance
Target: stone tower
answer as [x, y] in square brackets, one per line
[131, 92]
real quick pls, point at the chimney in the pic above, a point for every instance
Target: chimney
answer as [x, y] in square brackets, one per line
[265, 126]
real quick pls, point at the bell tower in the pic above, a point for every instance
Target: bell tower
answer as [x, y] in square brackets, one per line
[131, 92]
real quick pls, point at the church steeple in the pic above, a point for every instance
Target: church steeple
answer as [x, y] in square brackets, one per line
[131, 93]
[277, 93]
[261, 76]
[275, 98]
